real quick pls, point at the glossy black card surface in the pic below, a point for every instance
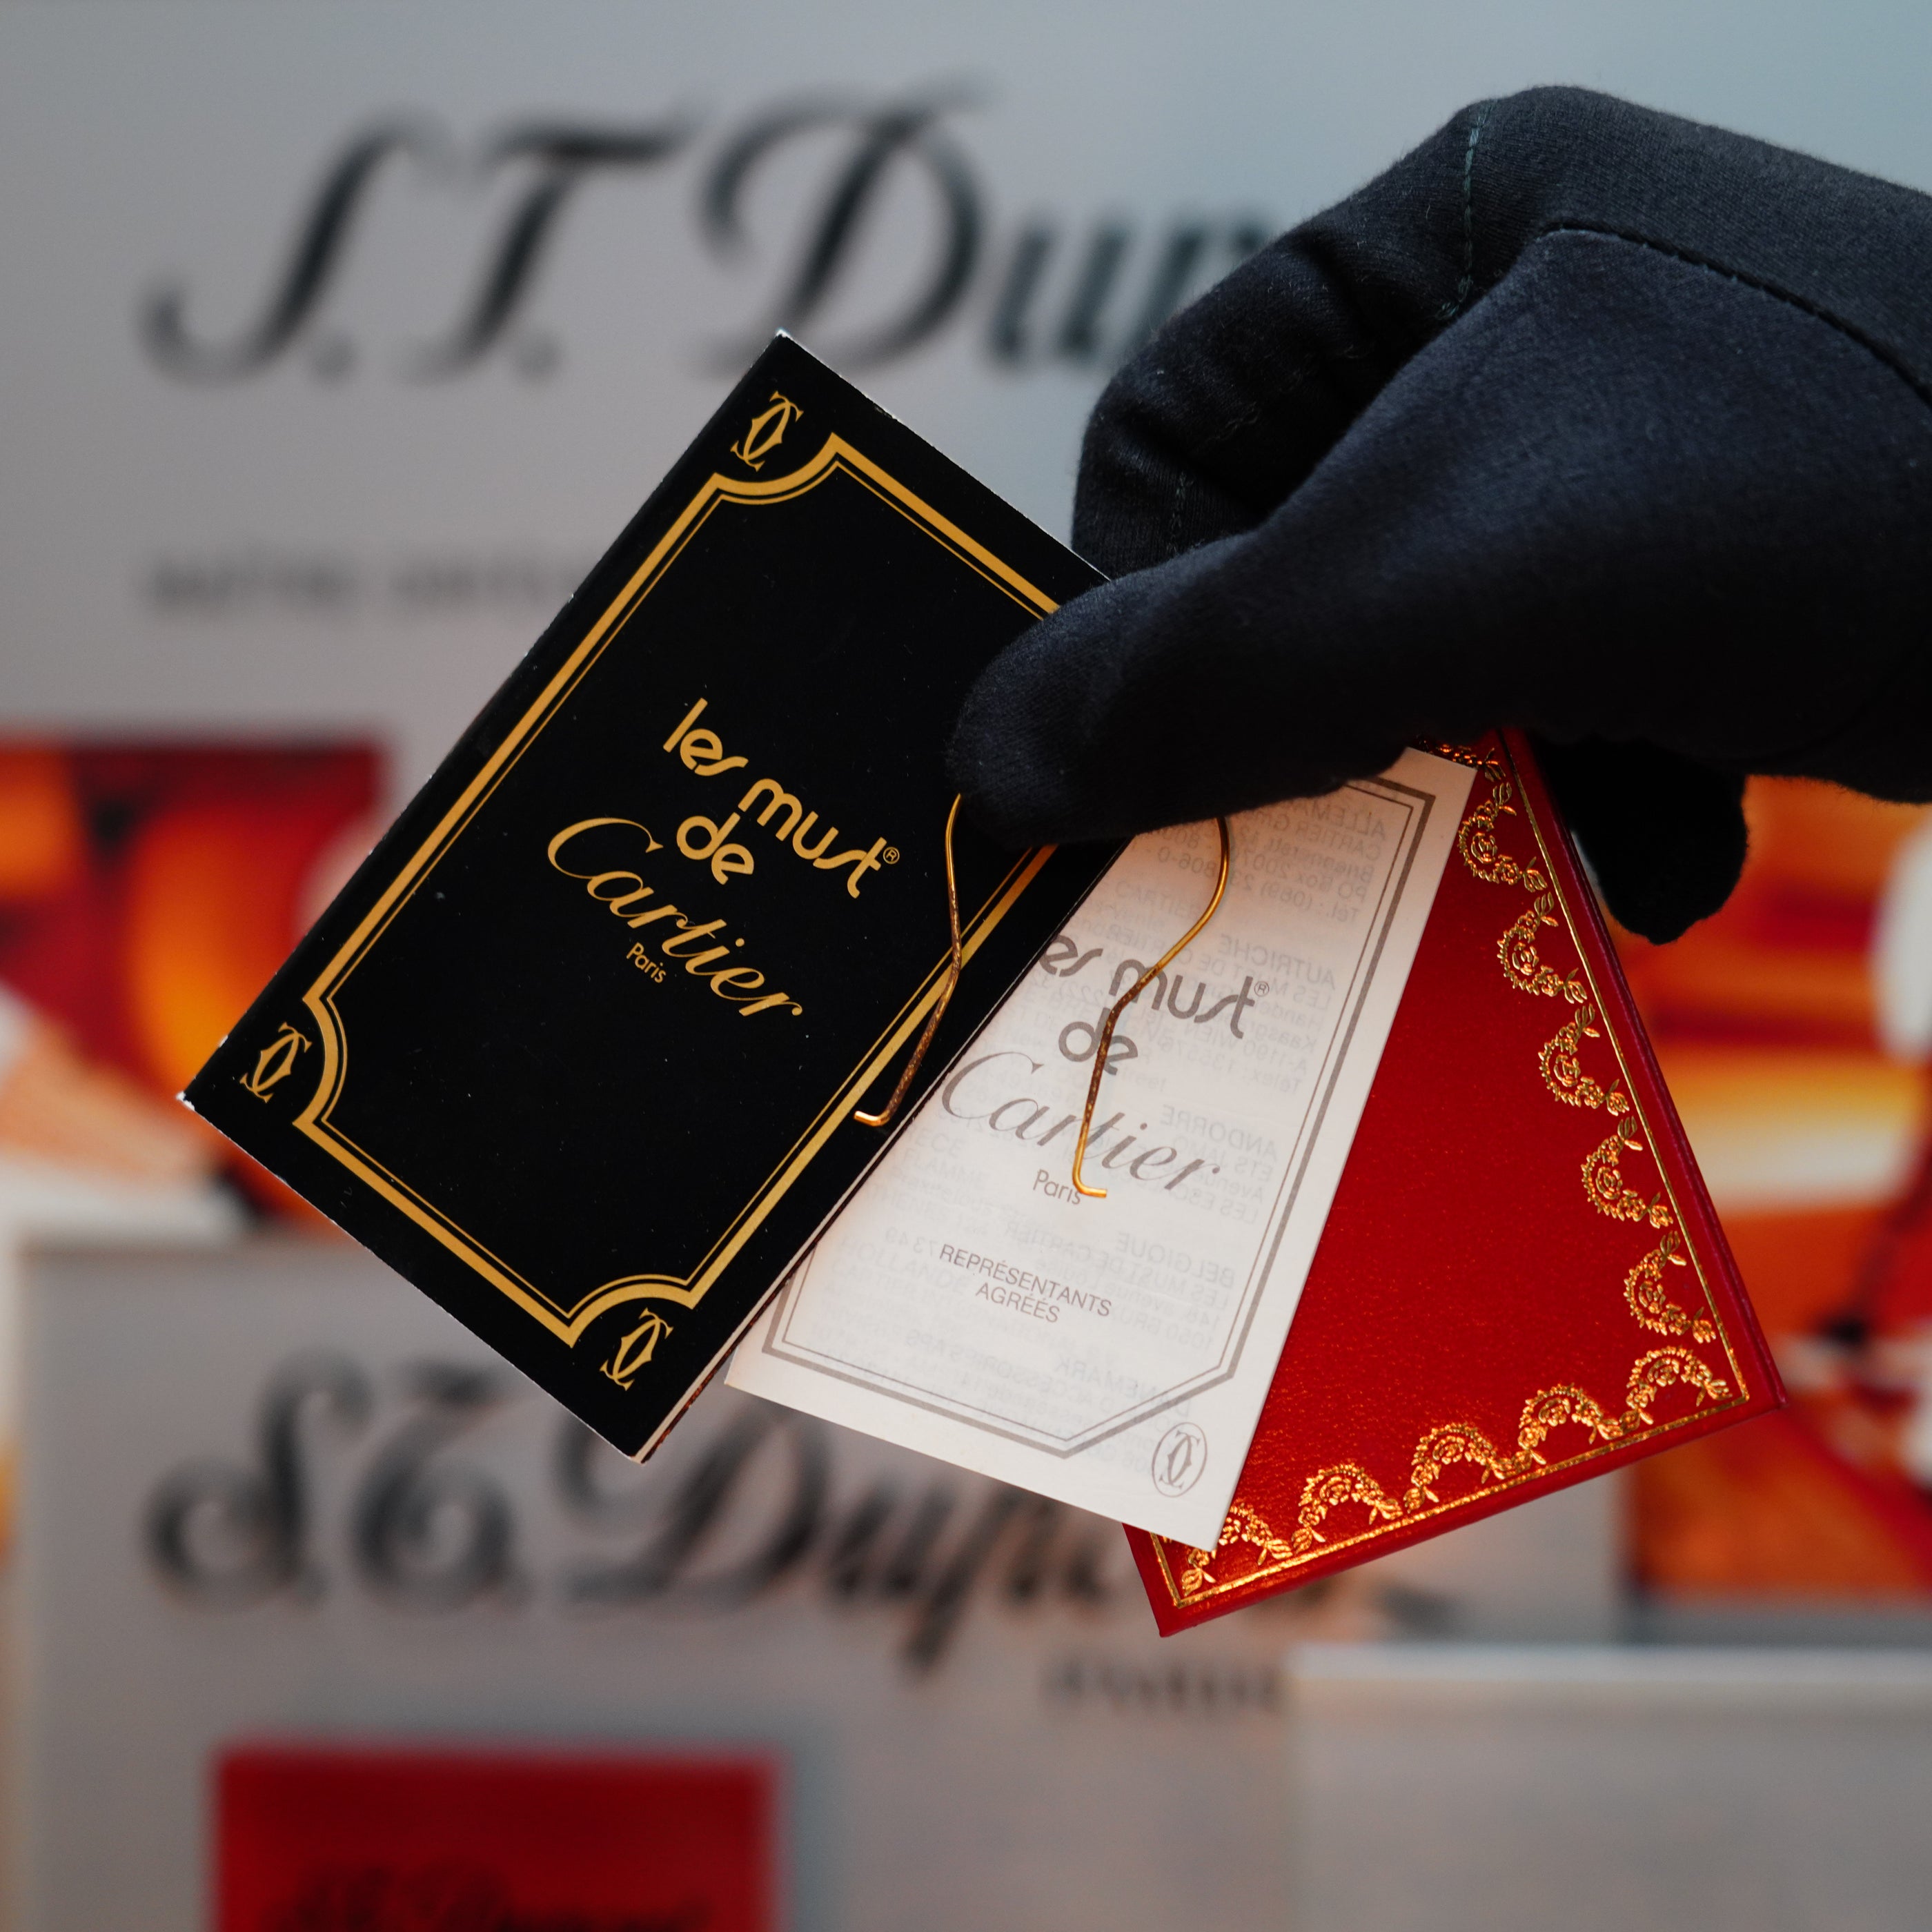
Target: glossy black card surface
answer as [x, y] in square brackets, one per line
[578, 1048]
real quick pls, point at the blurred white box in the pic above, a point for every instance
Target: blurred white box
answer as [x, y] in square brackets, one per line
[272, 1492]
[1550, 1571]
[1438, 1787]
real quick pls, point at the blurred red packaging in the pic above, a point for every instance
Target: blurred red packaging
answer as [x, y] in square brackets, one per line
[146, 890]
[324, 1839]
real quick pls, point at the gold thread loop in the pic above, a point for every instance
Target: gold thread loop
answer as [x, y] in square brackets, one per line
[912, 1066]
[1104, 1044]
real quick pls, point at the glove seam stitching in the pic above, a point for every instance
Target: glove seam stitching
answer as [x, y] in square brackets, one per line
[1449, 311]
[1877, 350]
[1446, 312]
[1177, 509]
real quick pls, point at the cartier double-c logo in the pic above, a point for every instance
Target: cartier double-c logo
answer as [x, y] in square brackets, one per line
[275, 1062]
[636, 1349]
[766, 432]
[1179, 1458]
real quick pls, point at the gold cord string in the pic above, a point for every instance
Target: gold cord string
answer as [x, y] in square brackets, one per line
[1105, 1043]
[912, 1066]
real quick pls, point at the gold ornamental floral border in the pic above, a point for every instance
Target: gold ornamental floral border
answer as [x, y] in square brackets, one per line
[1605, 1185]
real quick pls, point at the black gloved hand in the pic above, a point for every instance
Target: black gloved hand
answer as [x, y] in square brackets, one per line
[1581, 418]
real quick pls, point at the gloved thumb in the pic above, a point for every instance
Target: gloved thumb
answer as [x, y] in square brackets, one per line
[1664, 835]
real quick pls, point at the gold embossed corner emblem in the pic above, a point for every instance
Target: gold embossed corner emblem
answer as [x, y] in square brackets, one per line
[275, 1062]
[766, 432]
[636, 1349]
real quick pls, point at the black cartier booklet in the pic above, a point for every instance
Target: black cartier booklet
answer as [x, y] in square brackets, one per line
[579, 1049]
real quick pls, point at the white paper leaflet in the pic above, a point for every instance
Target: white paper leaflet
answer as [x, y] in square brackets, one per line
[1115, 1354]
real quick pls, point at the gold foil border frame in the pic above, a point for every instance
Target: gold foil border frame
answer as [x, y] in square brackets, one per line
[570, 1324]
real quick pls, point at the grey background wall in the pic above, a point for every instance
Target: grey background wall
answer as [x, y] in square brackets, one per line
[225, 505]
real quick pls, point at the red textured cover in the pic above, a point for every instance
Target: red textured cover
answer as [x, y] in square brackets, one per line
[1522, 1283]
[322, 1839]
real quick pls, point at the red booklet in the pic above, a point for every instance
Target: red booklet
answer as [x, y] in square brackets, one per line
[1522, 1283]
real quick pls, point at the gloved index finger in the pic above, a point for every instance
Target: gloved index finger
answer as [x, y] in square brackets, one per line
[1218, 420]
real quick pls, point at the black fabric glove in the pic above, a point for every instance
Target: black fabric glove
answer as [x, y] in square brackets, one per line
[1581, 418]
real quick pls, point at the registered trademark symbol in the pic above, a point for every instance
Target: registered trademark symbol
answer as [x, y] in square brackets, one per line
[1260, 985]
[890, 855]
